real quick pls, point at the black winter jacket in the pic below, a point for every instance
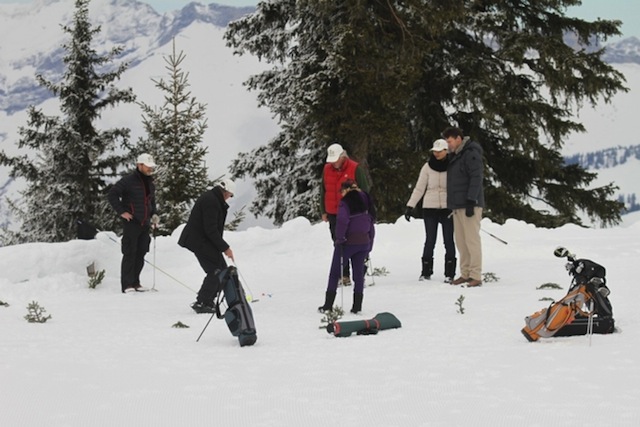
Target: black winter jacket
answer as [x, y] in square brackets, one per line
[134, 193]
[465, 176]
[205, 227]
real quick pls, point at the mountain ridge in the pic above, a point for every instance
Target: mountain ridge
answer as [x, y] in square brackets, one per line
[141, 33]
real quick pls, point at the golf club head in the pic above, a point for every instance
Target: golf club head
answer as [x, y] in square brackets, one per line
[561, 252]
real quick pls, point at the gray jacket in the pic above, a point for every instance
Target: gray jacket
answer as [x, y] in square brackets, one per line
[465, 176]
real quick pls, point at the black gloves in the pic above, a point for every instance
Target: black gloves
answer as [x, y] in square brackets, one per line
[407, 213]
[469, 210]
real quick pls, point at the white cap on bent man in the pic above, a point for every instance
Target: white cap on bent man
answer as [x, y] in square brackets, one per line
[146, 159]
[334, 152]
[228, 185]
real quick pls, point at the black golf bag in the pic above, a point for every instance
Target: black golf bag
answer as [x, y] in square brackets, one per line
[238, 314]
[585, 309]
[593, 276]
[86, 230]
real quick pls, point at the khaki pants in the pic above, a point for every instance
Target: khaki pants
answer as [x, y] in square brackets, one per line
[466, 231]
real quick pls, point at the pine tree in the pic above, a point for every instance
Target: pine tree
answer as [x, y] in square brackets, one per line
[72, 160]
[386, 77]
[174, 138]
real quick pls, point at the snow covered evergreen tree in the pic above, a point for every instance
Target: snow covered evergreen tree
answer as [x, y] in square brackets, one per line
[384, 78]
[174, 138]
[69, 161]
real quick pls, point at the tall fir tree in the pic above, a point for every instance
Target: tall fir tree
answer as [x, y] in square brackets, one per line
[174, 137]
[385, 77]
[69, 161]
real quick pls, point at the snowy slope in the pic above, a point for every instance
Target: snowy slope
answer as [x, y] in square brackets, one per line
[107, 358]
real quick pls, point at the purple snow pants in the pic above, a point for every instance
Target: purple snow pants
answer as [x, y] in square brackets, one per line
[357, 254]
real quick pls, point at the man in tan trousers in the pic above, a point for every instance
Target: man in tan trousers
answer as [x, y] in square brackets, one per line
[465, 197]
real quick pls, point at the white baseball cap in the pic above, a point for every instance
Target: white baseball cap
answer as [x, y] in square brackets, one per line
[439, 145]
[146, 159]
[334, 152]
[228, 185]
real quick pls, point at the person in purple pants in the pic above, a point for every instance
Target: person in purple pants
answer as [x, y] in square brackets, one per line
[354, 240]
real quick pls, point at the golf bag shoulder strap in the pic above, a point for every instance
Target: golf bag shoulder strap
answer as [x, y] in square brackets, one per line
[222, 276]
[217, 304]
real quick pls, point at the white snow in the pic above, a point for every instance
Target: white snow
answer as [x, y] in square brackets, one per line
[107, 358]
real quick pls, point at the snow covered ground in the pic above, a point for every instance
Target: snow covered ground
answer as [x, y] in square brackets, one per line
[107, 358]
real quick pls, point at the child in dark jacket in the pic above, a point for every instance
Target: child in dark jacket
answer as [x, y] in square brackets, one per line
[354, 240]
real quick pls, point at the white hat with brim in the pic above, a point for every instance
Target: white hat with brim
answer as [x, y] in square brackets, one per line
[334, 152]
[146, 159]
[228, 185]
[439, 145]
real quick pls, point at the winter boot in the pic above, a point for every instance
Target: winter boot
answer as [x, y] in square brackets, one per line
[427, 269]
[329, 298]
[357, 303]
[449, 269]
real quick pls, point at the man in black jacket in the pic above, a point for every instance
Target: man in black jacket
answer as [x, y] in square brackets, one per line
[202, 235]
[465, 197]
[133, 199]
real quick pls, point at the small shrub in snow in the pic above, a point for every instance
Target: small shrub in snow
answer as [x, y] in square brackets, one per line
[382, 271]
[331, 316]
[459, 302]
[179, 324]
[96, 279]
[36, 313]
[549, 286]
[4, 304]
[490, 277]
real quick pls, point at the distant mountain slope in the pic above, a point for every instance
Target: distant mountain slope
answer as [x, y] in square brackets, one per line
[235, 121]
[625, 51]
[606, 158]
[36, 35]
[616, 164]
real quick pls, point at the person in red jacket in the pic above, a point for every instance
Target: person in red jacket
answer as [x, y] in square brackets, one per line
[338, 168]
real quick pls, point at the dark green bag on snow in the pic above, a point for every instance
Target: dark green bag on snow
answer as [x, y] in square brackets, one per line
[380, 322]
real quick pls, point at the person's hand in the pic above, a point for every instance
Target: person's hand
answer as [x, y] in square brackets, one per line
[325, 217]
[469, 210]
[155, 220]
[229, 254]
[407, 213]
[127, 216]
[340, 242]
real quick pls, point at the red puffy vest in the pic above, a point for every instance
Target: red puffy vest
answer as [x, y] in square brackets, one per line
[333, 179]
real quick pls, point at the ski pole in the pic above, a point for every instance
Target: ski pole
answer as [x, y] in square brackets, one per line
[497, 238]
[170, 276]
[153, 288]
[205, 326]
[340, 280]
[156, 267]
[245, 284]
[590, 322]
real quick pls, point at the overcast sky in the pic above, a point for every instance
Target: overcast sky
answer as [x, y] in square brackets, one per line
[628, 11]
